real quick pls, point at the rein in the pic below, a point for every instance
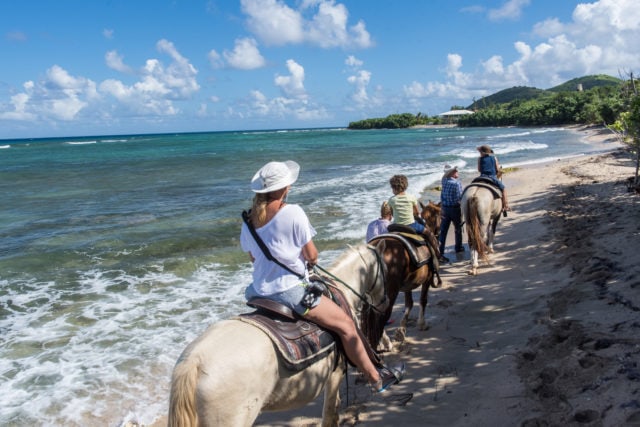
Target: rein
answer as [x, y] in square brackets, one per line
[358, 294]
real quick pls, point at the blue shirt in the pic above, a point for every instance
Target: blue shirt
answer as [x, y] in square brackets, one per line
[451, 192]
[488, 166]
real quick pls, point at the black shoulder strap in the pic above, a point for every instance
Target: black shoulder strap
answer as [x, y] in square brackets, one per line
[263, 247]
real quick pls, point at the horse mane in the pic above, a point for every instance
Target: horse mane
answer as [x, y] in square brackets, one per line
[371, 320]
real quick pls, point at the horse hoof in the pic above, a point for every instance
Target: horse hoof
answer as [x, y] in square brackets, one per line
[423, 327]
[400, 335]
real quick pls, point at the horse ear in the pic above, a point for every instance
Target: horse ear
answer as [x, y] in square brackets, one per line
[422, 204]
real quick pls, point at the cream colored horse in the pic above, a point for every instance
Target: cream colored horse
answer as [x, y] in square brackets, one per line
[232, 372]
[480, 214]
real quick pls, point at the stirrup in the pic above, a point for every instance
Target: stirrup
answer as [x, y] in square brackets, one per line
[389, 377]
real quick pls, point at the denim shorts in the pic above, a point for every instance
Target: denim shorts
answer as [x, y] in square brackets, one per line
[418, 227]
[291, 298]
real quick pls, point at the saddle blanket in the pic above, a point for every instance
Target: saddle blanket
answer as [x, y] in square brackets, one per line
[300, 343]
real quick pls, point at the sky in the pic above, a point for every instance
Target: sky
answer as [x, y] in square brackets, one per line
[112, 67]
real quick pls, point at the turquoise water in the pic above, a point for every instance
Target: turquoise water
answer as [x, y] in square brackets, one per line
[116, 251]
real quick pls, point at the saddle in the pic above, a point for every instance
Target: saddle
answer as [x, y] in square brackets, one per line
[487, 183]
[416, 244]
[300, 343]
[420, 251]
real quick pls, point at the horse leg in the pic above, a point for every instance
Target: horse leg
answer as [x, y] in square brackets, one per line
[408, 305]
[489, 237]
[474, 261]
[424, 296]
[385, 343]
[330, 415]
[401, 332]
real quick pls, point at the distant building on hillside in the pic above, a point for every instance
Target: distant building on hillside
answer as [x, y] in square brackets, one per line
[453, 115]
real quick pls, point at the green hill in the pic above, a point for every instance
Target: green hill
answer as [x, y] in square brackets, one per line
[525, 93]
[587, 82]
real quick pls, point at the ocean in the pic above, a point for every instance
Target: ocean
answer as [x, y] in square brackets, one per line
[117, 251]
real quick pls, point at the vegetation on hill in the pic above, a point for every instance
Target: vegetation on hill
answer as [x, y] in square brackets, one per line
[598, 99]
[393, 121]
[587, 82]
[599, 102]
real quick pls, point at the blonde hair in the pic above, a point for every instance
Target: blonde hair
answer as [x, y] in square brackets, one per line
[385, 209]
[259, 209]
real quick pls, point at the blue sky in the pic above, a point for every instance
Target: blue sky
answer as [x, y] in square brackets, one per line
[78, 67]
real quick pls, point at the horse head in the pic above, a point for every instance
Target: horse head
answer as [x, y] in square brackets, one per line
[431, 215]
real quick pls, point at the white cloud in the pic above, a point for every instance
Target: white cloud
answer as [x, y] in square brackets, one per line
[511, 10]
[601, 38]
[292, 86]
[293, 105]
[19, 112]
[107, 33]
[245, 55]
[275, 23]
[159, 85]
[360, 82]
[60, 96]
[114, 61]
[353, 62]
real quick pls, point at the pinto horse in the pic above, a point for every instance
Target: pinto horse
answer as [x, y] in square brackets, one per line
[481, 208]
[233, 372]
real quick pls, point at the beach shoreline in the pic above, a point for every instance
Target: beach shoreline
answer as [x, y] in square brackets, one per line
[545, 335]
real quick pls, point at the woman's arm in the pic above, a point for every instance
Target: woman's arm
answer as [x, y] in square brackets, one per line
[310, 253]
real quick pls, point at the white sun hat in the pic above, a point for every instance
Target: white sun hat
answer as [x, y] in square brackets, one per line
[275, 176]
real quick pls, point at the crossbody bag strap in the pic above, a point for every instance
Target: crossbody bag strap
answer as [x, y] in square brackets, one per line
[263, 247]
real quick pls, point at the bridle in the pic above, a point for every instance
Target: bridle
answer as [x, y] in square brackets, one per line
[380, 276]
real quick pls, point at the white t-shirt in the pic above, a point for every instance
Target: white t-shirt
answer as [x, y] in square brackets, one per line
[285, 235]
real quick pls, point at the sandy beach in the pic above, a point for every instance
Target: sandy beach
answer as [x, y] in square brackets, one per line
[547, 335]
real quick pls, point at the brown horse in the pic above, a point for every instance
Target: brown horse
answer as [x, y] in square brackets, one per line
[430, 213]
[232, 372]
[405, 276]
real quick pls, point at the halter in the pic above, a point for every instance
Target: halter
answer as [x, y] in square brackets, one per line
[379, 274]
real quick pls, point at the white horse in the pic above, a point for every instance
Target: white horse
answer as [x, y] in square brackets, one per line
[232, 372]
[481, 213]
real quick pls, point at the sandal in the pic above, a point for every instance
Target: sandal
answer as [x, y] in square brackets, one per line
[389, 377]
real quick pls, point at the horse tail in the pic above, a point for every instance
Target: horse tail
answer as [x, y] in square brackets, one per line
[474, 231]
[182, 402]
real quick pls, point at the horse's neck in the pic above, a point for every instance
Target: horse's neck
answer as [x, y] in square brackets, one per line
[348, 270]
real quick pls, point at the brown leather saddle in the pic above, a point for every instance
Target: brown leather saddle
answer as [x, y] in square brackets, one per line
[420, 252]
[300, 342]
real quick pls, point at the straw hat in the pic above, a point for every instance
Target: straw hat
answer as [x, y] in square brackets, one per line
[275, 176]
[449, 171]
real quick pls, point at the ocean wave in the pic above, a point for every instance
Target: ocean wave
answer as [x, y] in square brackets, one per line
[5, 146]
[140, 323]
[80, 142]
